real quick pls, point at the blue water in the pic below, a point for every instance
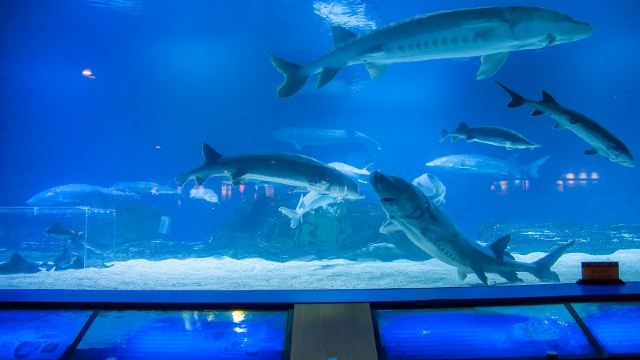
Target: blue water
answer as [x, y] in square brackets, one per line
[167, 76]
[481, 333]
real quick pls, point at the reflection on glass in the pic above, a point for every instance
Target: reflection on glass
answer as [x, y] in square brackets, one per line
[615, 325]
[38, 334]
[490, 333]
[199, 334]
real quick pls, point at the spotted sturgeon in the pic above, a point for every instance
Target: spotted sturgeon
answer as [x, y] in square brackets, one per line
[489, 32]
[411, 212]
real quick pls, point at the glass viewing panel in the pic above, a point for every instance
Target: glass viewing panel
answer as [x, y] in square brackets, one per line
[482, 333]
[347, 148]
[616, 326]
[209, 334]
[38, 334]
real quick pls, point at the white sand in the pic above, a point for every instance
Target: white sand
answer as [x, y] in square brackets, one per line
[246, 274]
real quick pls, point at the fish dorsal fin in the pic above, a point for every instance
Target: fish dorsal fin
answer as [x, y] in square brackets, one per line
[341, 35]
[500, 246]
[462, 126]
[210, 155]
[547, 98]
[389, 227]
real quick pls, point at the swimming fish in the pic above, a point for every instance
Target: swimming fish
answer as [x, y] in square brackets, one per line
[143, 187]
[411, 212]
[490, 33]
[481, 164]
[57, 230]
[287, 169]
[600, 139]
[80, 194]
[307, 203]
[300, 137]
[491, 135]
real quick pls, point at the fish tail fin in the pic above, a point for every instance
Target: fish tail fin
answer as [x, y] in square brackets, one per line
[443, 134]
[367, 141]
[516, 99]
[532, 169]
[368, 167]
[294, 216]
[294, 76]
[543, 266]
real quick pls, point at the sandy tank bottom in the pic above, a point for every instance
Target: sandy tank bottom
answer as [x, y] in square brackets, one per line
[222, 273]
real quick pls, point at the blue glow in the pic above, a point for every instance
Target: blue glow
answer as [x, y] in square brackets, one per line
[491, 332]
[38, 334]
[194, 334]
[615, 325]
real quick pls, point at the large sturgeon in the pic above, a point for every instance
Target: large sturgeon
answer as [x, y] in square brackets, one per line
[489, 32]
[410, 211]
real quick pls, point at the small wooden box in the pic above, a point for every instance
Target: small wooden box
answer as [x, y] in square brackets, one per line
[606, 272]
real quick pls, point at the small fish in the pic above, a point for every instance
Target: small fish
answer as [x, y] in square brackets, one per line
[480, 164]
[57, 230]
[352, 170]
[307, 203]
[491, 135]
[300, 137]
[143, 187]
[200, 192]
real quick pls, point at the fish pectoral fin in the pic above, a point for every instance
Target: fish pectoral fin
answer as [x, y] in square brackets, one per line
[592, 151]
[376, 70]
[490, 64]
[480, 274]
[326, 75]
[510, 276]
[462, 275]
[236, 177]
[558, 125]
[389, 227]
[537, 113]
[341, 35]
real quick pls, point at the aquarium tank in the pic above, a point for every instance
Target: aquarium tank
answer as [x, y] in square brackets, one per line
[316, 144]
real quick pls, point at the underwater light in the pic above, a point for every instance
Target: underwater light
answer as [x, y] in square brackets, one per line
[238, 316]
[88, 73]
